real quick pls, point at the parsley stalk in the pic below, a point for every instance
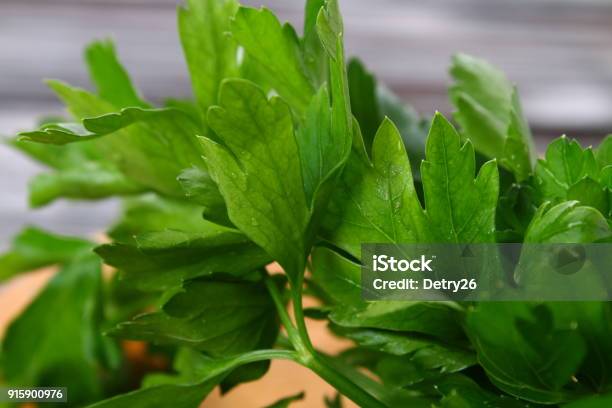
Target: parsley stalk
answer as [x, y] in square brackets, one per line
[307, 355]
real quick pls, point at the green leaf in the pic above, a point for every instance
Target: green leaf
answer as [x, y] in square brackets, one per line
[330, 28]
[90, 181]
[459, 208]
[339, 277]
[567, 222]
[111, 79]
[163, 260]
[460, 391]
[211, 55]
[331, 31]
[603, 153]
[79, 102]
[34, 248]
[605, 177]
[58, 134]
[524, 351]
[375, 201]
[595, 401]
[426, 363]
[187, 106]
[152, 213]
[437, 319]
[122, 302]
[490, 115]
[371, 102]
[388, 395]
[325, 139]
[189, 389]
[200, 188]
[285, 402]
[52, 156]
[257, 173]
[315, 60]
[319, 152]
[405, 359]
[170, 395]
[161, 143]
[221, 318]
[150, 146]
[62, 156]
[515, 210]
[276, 49]
[57, 340]
[390, 342]
[190, 365]
[324, 147]
[590, 193]
[592, 322]
[565, 164]
[364, 103]
[243, 374]
[413, 128]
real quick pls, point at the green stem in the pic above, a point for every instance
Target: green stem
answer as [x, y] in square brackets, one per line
[343, 384]
[311, 359]
[292, 332]
[261, 355]
[306, 354]
[298, 311]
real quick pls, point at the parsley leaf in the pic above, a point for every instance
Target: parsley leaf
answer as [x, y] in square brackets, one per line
[91, 180]
[523, 352]
[276, 49]
[57, 339]
[221, 318]
[490, 114]
[569, 172]
[191, 385]
[34, 248]
[565, 164]
[376, 201]
[459, 208]
[567, 222]
[211, 55]
[256, 171]
[113, 83]
[163, 260]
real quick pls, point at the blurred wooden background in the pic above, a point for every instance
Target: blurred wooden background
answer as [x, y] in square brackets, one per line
[559, 52]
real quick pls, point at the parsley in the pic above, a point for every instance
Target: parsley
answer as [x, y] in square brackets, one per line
[290, 154]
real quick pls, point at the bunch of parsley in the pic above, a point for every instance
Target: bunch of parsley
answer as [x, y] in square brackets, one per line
[290, 154]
